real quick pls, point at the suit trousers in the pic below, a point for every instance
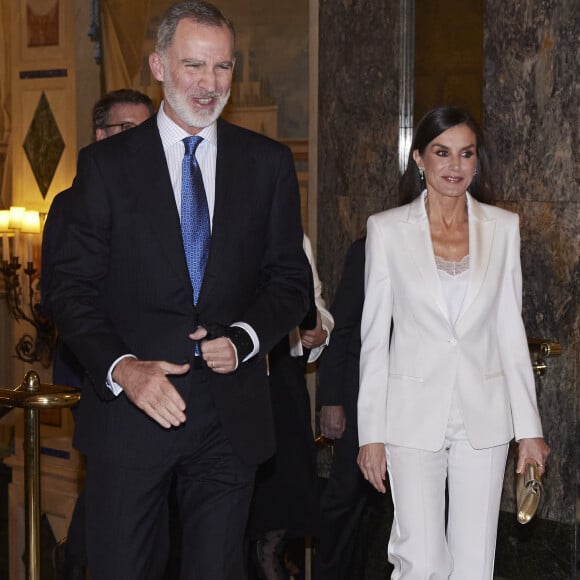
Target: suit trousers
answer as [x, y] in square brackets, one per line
[420, 546]
[127, 509]
[341, 507]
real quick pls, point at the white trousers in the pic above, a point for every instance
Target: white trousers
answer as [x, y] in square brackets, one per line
[419, 548]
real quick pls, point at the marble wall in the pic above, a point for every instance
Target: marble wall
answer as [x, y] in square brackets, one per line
[358, 123]
[530, 114]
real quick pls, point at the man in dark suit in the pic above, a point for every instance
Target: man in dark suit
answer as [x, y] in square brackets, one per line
[176, 382]
[346, 493]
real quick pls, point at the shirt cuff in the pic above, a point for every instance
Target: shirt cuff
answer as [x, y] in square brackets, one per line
[252, 333]
[114, 387]
[317, 351]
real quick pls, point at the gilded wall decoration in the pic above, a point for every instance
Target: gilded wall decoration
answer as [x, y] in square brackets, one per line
[42, 22]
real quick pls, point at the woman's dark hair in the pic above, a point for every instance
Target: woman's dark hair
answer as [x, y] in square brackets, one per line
[433, 123]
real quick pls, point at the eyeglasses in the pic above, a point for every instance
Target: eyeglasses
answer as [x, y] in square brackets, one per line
[124, 126]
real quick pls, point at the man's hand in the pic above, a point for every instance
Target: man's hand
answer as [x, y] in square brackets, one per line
[332, 421]
[372, 461]
[146, 385]
[219, 354]
[315, 337]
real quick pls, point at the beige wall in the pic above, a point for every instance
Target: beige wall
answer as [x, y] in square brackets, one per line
[70, 98]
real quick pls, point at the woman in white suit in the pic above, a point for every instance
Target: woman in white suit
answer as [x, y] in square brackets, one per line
[444, 392]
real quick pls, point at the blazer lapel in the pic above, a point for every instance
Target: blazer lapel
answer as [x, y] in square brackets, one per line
[229, 157]
[420, 247]
[153, 186]
[481, 232]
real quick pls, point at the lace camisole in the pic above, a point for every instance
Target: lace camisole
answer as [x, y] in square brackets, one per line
[453, 277]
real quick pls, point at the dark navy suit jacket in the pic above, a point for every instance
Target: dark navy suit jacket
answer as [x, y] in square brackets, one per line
[120, 284]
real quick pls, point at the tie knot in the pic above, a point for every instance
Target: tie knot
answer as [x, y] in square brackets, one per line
[191, 144]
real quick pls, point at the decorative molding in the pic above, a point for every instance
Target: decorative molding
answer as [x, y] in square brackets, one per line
[43, 74]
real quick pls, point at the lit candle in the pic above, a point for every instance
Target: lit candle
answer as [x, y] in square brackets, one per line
[16, 244]
[29, 248]
[30, 226]
[4, 221]
[16, 214]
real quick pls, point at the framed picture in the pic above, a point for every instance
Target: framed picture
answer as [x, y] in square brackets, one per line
[42, 23]
[46, 31]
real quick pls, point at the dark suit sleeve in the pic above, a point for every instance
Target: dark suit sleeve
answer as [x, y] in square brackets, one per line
[283, 296]
[66, 369]
[338, 370]
[77, 264]
[51, 240]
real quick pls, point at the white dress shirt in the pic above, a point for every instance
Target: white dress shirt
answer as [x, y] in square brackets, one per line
[172, 136]
[295, 340]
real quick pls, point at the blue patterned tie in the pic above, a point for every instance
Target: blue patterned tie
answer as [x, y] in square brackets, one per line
[195, 228]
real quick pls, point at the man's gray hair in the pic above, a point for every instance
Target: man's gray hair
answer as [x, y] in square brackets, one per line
[199, 11]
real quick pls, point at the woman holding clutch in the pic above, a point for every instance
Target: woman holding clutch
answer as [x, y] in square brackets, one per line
[444, 392]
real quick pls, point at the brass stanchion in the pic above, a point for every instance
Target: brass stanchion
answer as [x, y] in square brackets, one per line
[32, 396]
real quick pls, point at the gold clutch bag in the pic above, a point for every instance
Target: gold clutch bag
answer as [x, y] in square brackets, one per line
[528, 492]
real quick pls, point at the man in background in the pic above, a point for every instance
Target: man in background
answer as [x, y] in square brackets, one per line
[346, 493]
[285, 503]
[115, 112]
[120, 110]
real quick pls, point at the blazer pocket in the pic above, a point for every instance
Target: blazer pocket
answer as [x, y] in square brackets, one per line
[401, 377]
[491, 376]
[493, 395]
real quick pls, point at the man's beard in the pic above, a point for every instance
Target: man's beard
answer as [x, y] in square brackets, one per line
[182, 107]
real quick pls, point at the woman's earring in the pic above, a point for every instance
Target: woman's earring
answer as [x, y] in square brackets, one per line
[475, 172]
[421, 173]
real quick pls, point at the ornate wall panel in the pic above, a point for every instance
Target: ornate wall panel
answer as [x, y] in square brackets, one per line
[43, 100]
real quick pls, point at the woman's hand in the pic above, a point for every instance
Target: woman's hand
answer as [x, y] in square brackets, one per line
[372, 461]
[533, 449]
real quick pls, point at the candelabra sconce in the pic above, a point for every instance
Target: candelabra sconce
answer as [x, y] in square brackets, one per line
[23, 299]
[541, 349]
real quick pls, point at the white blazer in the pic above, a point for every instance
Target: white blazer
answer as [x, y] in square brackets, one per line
[407, 382]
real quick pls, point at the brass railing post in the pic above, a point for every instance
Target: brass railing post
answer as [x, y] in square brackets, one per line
[32, 397]
[32, 478]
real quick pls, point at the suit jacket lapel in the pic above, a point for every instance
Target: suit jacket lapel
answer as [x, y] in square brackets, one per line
[481, 232]
[418, 241]
[153, 186]
[229, 158]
